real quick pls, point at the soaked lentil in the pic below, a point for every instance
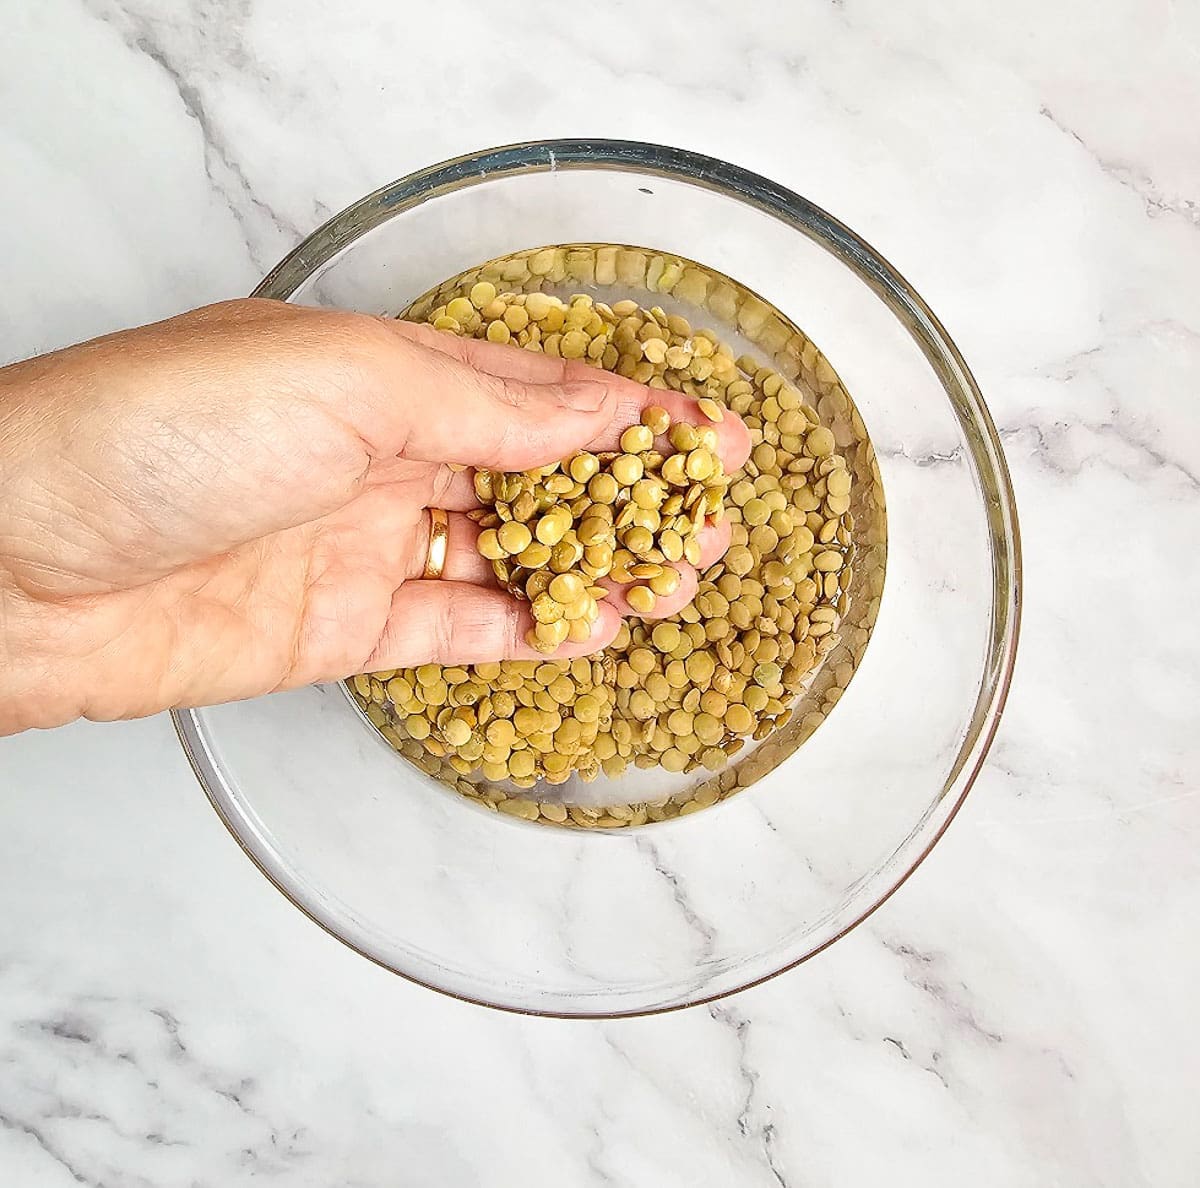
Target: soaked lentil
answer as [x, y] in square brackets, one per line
[684, 694]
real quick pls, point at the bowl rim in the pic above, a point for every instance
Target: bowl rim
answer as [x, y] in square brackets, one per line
[883, 279]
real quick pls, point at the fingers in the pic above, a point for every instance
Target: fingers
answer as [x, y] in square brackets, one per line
[425, 485]
[629, 398]
[476, 403]
[464, 564]
[479, 403]
[510, 362]
[465, 618]
[454, 490]
[714, 540]
[456, 623]
[463, 560]
[396, 543]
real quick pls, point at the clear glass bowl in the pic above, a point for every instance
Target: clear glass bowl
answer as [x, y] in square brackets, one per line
[610, 923]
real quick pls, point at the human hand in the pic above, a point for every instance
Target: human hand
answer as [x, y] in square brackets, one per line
[236, 501]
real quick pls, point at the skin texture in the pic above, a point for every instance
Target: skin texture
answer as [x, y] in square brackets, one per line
[234, 501]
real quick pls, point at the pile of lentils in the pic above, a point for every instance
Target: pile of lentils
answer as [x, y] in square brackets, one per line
[683, 693]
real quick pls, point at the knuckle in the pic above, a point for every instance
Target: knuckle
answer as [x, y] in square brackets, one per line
[443, 480]
[443, 629]
[511, 629]
[510, 392]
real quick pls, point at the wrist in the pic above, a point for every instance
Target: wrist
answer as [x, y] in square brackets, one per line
[19, 707]
[38, 690]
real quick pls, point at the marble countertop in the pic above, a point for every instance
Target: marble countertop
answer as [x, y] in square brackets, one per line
[1021, 1012]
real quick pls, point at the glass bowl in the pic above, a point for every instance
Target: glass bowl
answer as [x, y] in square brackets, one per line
[593, 923]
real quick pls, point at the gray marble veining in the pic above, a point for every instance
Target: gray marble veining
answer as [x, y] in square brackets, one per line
[1021, 1013]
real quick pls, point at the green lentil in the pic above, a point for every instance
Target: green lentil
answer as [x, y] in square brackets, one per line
[686, 691]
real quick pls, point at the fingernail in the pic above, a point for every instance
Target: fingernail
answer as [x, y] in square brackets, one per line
[587, 396]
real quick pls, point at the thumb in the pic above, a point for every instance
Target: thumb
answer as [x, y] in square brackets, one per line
[478, 403]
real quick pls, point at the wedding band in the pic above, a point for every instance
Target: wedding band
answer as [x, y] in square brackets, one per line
[439, 537]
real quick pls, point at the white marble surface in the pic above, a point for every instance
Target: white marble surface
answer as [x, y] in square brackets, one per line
[1021, 1013]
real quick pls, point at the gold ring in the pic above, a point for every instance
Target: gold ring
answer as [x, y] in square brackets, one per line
[439, 537]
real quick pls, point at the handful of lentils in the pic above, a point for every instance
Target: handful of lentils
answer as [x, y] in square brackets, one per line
[681, 693]
[551, 534]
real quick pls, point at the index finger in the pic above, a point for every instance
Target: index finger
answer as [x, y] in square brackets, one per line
[632, 398]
